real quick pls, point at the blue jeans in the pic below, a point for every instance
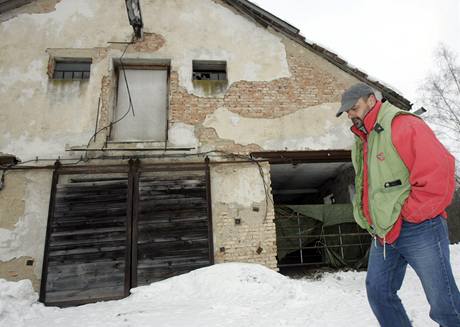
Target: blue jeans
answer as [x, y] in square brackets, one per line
[425, 247]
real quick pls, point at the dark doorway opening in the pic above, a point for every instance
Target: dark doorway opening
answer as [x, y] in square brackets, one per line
[312, 193]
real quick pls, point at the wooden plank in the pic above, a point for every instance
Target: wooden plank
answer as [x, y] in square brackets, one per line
[169, 255]
[89, 231]
[175, 244]
[165, 212]
[102, 212]
[109, 247]
[88, 207]
[90, 227]
[92, 200]
[88, 295]
[89, 223]
[178, 220]
[172, 184]
[157, 228]
[75, 269]
[171, 260]
[93, 184]
[71, 193]
[85, 280]
[60, 282]
[85, 243]
[146, 277]
[168, 177]
[162, 195]
[169, 205]
[149, 267]
[87, 257]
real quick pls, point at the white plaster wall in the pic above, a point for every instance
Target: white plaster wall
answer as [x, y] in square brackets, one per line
[312, 128]
[206, 30]
[28, 236]
[237, 185]
[39, 118]
[236, 191]
[182, 135]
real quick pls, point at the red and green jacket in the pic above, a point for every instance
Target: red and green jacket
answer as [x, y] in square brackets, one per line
[403, 170]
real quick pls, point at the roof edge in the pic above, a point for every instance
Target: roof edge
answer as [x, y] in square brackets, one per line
[266, 19]
[7, 5]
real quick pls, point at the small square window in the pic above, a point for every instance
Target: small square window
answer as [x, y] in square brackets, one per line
[209, 70]
[78, 69]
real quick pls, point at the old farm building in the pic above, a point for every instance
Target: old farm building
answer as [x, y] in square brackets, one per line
[141, 144]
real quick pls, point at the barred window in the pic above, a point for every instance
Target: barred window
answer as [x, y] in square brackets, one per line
[209, 70]
[72, 69]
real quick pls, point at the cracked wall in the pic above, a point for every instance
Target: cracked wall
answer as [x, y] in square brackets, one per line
[243, 214]
[23, 224]
[291, 113]
[269, 76]
[55, 115]
[280, 96]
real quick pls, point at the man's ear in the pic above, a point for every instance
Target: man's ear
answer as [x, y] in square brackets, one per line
[372, 100]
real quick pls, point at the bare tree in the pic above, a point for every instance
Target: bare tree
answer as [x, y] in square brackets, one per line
[440, 95]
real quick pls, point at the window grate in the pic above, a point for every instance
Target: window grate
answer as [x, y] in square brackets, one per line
[209, 70]
[72, 70]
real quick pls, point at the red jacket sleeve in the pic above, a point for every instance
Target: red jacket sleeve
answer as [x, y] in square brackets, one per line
[431, 168]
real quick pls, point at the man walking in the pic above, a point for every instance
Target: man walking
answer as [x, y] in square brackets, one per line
[404, 181]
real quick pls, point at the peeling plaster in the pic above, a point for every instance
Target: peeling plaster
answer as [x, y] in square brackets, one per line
[64, 12]
[34, 7]
[28, 236]
[27, 147]
[180, 134]
[312, 128]
[199, 30]
[11, 199]
[247, 180]
[31, 73]
[43, 116]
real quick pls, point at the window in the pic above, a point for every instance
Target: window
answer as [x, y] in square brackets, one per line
[141, 113]
[75, 69]
[209, 70]
[209, 77]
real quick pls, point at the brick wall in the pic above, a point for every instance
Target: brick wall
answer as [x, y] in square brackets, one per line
[243, 232]
[313, 81]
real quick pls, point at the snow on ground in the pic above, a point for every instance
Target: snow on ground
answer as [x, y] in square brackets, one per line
[223, 295]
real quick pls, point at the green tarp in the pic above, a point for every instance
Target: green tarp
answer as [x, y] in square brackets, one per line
[327, 214]
[318, 229]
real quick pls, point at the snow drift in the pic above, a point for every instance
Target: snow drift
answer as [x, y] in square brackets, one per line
[223, 295]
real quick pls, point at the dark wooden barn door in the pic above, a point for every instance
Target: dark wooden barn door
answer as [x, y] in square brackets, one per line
[87, 246]
[109, 232]
[172, 226]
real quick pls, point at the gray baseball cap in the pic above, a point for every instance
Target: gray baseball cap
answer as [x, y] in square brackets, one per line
[352, 95]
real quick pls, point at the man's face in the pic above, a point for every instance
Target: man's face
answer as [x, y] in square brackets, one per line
[361, 108]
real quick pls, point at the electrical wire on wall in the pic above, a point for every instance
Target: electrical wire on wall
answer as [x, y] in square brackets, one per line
[130, 106]
[2, 179]
[249, 158]
[262, 175]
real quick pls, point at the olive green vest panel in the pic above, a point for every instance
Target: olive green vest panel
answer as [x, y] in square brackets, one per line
[388, 177]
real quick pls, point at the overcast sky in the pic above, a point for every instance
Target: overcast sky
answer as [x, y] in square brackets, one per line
[391, 40]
